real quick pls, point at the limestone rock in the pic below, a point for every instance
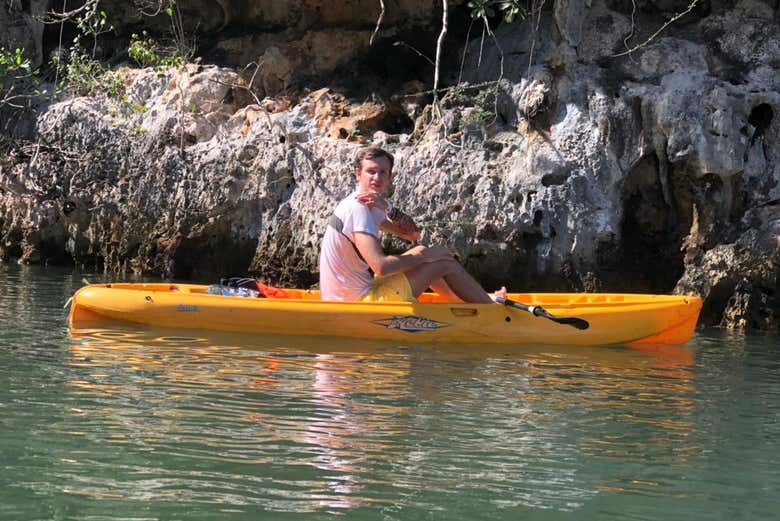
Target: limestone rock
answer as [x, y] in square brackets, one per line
[336, 117]
[519, 49]
[754, 9]
[576, 171]
[196, 101]
[739, 281]
[696, 121]
[536, 96]
[285, 58]
[667, 56]
[569, 18]
[737, 37]
[606, 32]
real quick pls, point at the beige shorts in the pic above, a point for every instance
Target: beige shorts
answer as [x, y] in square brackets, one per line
[392, 288]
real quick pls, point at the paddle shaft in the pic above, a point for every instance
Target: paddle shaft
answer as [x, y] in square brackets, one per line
[539, 311]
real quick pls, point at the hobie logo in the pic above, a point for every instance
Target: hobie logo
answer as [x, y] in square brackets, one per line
[410, 323]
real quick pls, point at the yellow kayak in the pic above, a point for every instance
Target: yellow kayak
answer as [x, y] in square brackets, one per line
[574, 318]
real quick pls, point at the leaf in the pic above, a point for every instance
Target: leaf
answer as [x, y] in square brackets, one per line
[480, 8]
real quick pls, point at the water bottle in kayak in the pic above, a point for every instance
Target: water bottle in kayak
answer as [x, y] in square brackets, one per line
[219, 289]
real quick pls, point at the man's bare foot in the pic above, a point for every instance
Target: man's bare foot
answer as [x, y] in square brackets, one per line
[499, 293]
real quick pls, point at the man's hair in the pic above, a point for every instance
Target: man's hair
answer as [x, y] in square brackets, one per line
[372, 153]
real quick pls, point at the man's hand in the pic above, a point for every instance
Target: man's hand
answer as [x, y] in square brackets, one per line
[431, 254]
[372, 200]
[437, 253]
[403, 226]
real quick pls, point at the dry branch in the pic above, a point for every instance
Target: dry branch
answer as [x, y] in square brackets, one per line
[659, 31]
[53, 17]
[439, 44]
[378, 22]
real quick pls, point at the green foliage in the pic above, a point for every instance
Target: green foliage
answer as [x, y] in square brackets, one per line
[146, 52]
[456, 96]
[138, 107]
[143, 50]
[18, 80]
[510, 9]
[479, 117]
[91, 23]
[481, 8]
[476, 104]
[83, 75]
[513, 9]
[13, 63]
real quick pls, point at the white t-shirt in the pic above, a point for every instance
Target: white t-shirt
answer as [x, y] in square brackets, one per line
[343, 274]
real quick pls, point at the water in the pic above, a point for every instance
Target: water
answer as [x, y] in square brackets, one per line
[133, 424]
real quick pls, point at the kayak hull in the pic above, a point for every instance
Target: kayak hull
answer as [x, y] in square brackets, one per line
[613, 318]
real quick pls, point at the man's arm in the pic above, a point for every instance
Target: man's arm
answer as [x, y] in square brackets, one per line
[383, 265]
[402, 226]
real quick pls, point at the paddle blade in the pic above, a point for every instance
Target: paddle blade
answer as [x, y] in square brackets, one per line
[569, 321]
[579, 323]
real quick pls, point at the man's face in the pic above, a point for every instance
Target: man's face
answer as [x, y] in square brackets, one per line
[374, 175]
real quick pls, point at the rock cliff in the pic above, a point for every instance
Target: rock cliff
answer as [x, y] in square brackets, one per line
[559, 162]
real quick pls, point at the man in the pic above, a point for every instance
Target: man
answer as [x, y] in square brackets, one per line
[354, 267]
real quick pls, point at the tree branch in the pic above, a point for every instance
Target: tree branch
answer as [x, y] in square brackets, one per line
[378, 22]
[439, 43]
[659, 31]
[633, 25]
[53, 17]
[535, 34]
[465, 48]
[404, 44]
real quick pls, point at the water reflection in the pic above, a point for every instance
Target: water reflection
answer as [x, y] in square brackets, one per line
[375, 424]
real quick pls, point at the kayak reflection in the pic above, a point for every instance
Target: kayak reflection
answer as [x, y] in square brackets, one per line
[363, 415]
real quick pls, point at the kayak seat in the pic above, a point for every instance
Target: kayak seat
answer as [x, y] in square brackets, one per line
[255, 286]
[271, 291]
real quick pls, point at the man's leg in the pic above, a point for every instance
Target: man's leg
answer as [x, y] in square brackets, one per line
[443, 290]
[456, 277]
[440, 286]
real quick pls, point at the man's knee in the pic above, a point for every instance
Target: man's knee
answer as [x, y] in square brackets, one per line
[452, 265]
[449, 266]
[417, 249]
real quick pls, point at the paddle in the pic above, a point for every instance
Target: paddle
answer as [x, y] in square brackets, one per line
[539, 311]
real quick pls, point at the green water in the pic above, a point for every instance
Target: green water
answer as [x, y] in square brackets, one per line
[131, 424]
